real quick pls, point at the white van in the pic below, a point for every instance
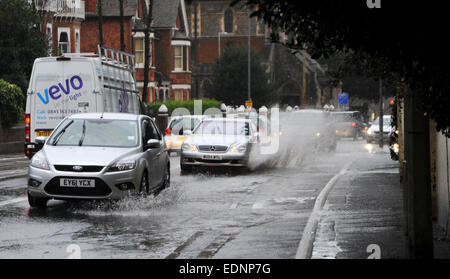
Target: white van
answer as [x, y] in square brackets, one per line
[77, 83]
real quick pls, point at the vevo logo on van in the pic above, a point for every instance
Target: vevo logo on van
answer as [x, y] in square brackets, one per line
[55, 90]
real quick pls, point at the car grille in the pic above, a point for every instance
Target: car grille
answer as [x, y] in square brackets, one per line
[216, 148]
[85, 168]
[100, 189]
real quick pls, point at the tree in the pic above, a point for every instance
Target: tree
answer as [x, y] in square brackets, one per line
[122, 31]
[148, 23]
[229, 80]
[100, 22]
[395, 41]
[401, 40]
[21, 41]
[11, 102]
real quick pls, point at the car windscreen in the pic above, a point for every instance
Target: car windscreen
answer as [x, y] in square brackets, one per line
[178, 124]
[95, 132]
[218, 127]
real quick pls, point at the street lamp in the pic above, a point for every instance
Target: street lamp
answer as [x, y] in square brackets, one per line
[218, 43]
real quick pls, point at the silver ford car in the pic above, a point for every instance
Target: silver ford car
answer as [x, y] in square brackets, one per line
[99, 156]
[219, 142]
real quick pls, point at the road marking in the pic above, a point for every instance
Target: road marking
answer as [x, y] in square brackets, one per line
[16, 200]
[14, 158]
[304, 250]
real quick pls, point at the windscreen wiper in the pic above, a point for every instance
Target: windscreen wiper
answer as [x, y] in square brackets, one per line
[60, 133]
[84, 133]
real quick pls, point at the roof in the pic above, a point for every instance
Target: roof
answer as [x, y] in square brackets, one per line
[112, 8]
[106, 115]
[165, 13]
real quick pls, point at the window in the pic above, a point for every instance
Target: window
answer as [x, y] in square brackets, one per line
[49, 34]
[181, 58]
[139, 51]
[229, 20]
[178, 95]
[77, 41]
[178, 58]
[63, 43]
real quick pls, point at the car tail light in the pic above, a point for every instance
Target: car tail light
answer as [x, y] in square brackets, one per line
[27, 128]
[168, 131]
[353, 124]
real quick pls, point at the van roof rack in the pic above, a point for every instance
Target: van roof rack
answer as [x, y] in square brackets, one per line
[116, 62]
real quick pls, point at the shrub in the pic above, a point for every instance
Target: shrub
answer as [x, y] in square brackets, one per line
[11, 102]
[171, 105]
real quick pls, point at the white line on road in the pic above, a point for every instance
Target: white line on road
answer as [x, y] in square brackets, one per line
[14, 158]
[16, 200]
[304, 250]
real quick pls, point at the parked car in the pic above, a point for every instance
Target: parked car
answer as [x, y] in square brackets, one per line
[175, 131]
[76, 83]
[219, 142]
[349, 124]
[373, 133]
[99, 156]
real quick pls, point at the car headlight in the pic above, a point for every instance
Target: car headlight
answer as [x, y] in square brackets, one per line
[369, 132]
[396, 147]
[188, 147]
[317, 134]
[39, 161]
[122, 166]
[238, 148]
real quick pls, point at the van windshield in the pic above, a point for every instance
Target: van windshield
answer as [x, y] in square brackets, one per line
[95, 132]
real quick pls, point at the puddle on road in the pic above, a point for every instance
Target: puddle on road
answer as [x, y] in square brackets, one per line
[130, 206]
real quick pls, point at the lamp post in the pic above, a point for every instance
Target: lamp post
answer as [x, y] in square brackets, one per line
[218, 43]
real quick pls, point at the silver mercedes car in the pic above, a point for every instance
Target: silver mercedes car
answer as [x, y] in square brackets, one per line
[222, 142]
[99, 156]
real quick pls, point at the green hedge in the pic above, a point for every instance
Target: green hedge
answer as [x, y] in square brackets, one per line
[171, 105]
[11, 104]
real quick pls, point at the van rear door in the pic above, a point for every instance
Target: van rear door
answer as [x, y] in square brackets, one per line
[61, 87]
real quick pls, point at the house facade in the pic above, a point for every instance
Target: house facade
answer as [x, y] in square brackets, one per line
[61, 24]
[215, 24]
[72, 26]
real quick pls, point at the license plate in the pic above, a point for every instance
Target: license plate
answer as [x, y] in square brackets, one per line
[43, 133]
[212, 157]
[77, 182]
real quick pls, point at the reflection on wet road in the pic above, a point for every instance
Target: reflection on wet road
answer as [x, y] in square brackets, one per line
[211, 214]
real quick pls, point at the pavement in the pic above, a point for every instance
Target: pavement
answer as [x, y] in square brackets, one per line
[363, 216]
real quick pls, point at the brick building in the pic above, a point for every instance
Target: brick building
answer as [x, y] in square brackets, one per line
[214, 24]
[72, 26]
[61, 24]
[170, 72]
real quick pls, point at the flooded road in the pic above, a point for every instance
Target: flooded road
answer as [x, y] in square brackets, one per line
[218, 214]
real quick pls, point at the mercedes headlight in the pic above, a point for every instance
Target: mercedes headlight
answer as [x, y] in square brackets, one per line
[188, 147]
[238, 148]
[369, 132]
[39, 161]
[122, 166]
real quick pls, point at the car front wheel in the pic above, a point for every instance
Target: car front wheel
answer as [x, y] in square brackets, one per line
[37, 202]
[144, 187]
[185, 169]
[166, 182]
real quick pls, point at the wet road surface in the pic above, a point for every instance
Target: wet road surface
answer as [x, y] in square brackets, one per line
[219, 214]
